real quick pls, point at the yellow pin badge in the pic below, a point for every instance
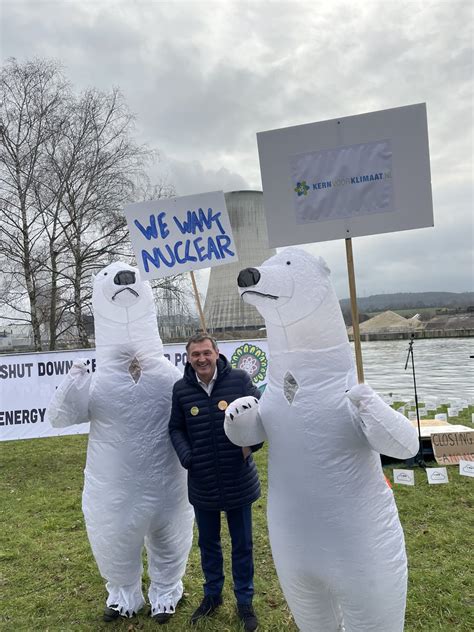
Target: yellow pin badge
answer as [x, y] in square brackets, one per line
[222, 405]
[194, 411]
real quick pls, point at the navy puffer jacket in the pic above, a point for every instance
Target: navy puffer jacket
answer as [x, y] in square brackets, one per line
[219, 478]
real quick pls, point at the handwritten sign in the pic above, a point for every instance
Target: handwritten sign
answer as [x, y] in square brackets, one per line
[451, 447]
[174, 235]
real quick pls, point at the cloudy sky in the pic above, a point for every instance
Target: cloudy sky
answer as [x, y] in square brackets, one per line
[204, 77]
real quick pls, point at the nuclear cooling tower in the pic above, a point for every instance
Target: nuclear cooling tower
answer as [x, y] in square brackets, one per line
[224, 309]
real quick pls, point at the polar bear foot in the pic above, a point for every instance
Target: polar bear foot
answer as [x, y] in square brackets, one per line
[126, 600]
[162, 601]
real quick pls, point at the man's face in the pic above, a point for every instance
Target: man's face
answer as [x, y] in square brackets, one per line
[203, 358]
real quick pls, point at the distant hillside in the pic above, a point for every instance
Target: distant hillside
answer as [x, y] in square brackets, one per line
[410, 300]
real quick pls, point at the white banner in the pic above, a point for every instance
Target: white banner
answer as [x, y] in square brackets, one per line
[28, 381]
[174, 235]
[343, 182]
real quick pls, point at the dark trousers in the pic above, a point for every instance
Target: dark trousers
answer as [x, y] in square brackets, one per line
[239, 522]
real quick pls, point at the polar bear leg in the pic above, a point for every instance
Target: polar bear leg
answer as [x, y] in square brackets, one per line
[314, 607]
[376, 600]
[116, 539]
[118, 556]
[168, 549]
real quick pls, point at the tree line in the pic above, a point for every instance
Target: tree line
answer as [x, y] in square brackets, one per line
[68, 164]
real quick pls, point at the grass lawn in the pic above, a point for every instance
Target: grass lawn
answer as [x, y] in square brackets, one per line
[50, 581]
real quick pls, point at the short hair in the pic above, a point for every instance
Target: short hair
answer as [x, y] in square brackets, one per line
[200, 337]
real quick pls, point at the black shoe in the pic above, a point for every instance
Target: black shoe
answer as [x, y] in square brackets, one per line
[248, 617]
[208, 606]
[110, 614]
[162, 617]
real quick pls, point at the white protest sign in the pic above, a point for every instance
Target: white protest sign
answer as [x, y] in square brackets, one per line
[174, 235]
[347, 177]
[404, 477]
[466, 468]
[437, 475]
[441, 416]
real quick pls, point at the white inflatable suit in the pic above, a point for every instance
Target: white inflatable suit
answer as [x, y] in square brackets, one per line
[135, 488]
[334, 529]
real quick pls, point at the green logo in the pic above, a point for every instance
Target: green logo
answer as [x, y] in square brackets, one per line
[251, 359]
[301, 188]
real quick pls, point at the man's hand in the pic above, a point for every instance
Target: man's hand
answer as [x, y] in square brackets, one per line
[246, 452]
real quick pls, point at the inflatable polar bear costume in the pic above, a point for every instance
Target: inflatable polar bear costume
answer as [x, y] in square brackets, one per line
[135, 490]
[334, 530]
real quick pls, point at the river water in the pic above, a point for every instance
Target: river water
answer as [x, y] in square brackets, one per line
[444, 370]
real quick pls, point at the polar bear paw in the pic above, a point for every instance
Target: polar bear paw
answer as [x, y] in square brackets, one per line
[242, 422]
[360, 394]
[242, 407]
[79, 367]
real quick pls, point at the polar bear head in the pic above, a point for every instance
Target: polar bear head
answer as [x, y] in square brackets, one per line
[292, 291]
[123, 305]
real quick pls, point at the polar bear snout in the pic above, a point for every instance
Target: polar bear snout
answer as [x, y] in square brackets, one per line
[125, 277]
[248, 277]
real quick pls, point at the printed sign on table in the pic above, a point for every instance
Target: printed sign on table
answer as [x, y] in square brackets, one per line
[174, 235]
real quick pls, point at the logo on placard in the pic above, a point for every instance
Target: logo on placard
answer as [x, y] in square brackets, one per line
[301, 188]
[252, 359]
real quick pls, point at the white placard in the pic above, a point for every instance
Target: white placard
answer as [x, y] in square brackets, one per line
[466, 468]
[453, 412]
[412, 414]
[437, 475]
[174, 235]
[404, 477]
[347, 177]
[441, 416]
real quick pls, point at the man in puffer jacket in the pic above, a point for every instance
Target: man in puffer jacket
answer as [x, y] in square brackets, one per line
[221, 476]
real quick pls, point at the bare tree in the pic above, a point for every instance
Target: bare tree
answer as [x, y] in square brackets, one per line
[31, 98]
[68, 165]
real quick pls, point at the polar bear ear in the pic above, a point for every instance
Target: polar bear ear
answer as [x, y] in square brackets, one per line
[323, 265]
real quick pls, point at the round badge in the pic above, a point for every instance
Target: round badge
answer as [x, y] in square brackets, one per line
[194, 411]
[222, 405]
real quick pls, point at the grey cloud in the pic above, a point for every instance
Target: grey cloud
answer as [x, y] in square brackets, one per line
[203, 78]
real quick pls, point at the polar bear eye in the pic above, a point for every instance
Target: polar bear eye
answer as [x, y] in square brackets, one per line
[105, 273]
[288, 263]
